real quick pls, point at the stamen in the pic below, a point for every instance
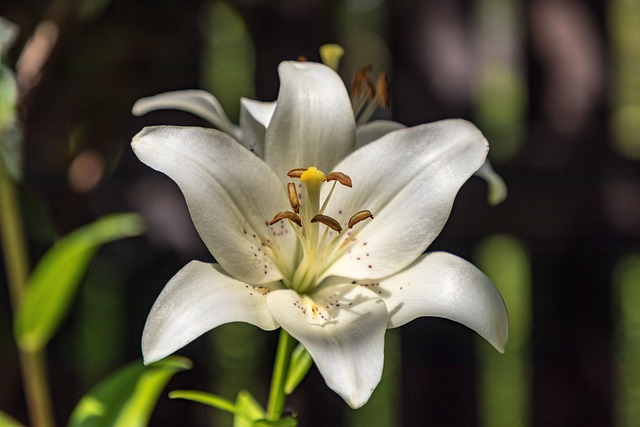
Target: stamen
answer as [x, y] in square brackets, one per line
[296, 173]
[293, 197]
[382, 84]
[328, 221]
[358, 217]
[342, 178]
[319, 249]
[362, 83]
[286, 215]
[326, 201]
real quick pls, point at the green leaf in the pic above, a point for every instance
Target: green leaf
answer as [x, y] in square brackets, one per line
[248, 410]
[127, 397]
[284, 422]
[301, 362]
[54, 282]
[8, 96]
[7, 421]
[10, 131]
[8, 34]
[204, 398]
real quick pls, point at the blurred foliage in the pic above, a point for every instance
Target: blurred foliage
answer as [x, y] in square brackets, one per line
[625, 117]
[10, 132]
[505, 379]
[228, 62]
[55, 279]
[499, 24]
[127, 397]
[7, 421]
[626, 301]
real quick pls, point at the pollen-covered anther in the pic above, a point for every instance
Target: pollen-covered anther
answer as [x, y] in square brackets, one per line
[342, 178]
[296, 173]
[328, 221]
[286, 215]
[362, 83]
[359, 216]
[293, 197]
[382, 86]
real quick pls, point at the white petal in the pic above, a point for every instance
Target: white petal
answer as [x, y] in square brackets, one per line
[231, 195]
[345, 337]
[313, 122]
[444, 285]
[376, 129]
[197, 299]
[408, 179]
[254, 119]
[259, 111]
[496, 188]
[197, 102]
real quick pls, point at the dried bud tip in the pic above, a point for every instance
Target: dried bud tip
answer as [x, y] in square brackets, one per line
[359, 216]
[302, 58]
[328, 221]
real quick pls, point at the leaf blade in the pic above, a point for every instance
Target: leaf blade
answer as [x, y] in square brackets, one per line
[55, 279]
[127, 397]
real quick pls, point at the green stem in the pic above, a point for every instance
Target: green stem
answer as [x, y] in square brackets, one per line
[277, 396]
[32, 364]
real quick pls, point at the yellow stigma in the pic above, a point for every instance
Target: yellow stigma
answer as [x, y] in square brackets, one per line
[312, 176]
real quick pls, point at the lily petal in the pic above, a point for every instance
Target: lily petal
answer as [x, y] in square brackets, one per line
[408, 179]
[254, 119]
[313, 122]
[342, 327]
[259, 111]
[444, 285]
[197, 102]
[496, 187]
[231, 195]
[197, 299]
[371, 131]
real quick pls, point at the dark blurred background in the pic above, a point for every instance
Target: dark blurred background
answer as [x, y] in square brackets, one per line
[555, 86]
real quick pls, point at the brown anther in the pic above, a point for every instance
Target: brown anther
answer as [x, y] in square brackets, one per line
[296, 173]
[328, 221]
[341, 178]
[293, 197]
[286, 215]
[382, 84]
[362, 83]
[359, 216]
[302, 58]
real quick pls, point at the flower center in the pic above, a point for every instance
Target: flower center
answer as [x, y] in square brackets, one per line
[320, 236]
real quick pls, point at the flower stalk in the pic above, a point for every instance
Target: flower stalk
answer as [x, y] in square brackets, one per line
[277, 395]
[32, 364]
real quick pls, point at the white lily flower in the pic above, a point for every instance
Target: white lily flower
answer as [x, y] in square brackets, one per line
[255, 117]
[333, 265]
